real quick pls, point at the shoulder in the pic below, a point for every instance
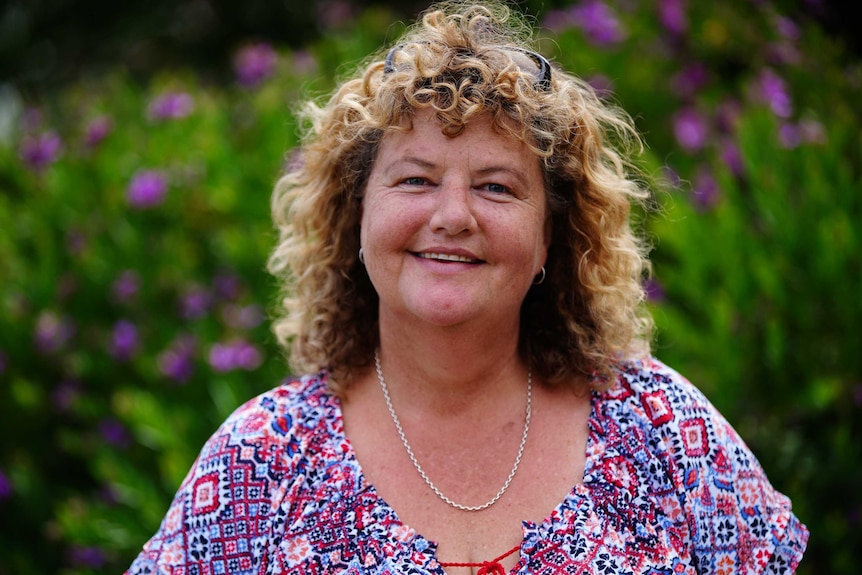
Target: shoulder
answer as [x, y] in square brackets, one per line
[652, 383]
[304, 397]
[718, 480]
[684, 425]
[299, 406]
[656, 397]
[267, 432]
[240, 478]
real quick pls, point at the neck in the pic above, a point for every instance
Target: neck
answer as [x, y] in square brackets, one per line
[452, 369]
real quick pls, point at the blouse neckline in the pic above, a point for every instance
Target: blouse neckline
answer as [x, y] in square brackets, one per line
[392, 528]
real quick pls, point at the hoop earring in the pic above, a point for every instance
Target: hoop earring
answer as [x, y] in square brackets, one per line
[362, 256]
[541, 279]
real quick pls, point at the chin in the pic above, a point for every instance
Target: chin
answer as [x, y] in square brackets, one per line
[443, 318]
[442, 313]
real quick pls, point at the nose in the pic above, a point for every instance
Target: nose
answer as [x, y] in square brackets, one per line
[453, 210]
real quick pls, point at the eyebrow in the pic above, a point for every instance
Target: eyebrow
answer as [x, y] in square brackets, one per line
[422, 163]
[515, 173]
[410, 160]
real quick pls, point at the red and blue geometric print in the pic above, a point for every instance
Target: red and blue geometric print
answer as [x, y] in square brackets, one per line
[669, 488]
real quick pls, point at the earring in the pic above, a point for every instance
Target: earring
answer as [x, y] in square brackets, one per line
[541, 279]
[362, 256]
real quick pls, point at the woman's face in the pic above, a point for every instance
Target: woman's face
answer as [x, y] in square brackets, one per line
[453, 229]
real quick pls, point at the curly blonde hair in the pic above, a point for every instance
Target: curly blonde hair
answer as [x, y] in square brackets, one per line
[463, 60]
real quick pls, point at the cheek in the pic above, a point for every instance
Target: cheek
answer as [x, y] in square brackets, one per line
[370, 224]
[383, 228]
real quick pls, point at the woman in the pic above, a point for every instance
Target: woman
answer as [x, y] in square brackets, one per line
[464, 293]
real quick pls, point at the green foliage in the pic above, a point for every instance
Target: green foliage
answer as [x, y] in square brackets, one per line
[131, 327]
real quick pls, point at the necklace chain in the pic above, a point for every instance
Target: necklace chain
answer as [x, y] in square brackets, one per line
[421, 471]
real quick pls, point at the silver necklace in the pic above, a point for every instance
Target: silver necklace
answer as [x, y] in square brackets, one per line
[421, 471]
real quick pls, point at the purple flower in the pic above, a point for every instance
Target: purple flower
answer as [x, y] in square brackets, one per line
[238, 354]
[690, 80]
[789, 136]
[690, 129]
[671, 14]
[726, 115]
[52, 332]
[557, 20]
[812, 131]
[65, 394]
[807, 131]
[654, 290]
[97, 130]
[76, 241]
[171, 106]
[598, 22]
[5, 486]
[303, 62]
[40, 151]
[124, 340]
[242, 317]
[195, 302]
[705, 189]
[147, 189]
[602, 85]
[227, 285]
[783, 53]
[770, 88]
[114, 432]
[86, 557]
[333, 13]
[248, 357]
[787, 28]
[31, 119]
[254, 63]
[732, 157]
[126, 286]
[177, 361]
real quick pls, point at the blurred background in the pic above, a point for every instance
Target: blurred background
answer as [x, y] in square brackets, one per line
[139, 142]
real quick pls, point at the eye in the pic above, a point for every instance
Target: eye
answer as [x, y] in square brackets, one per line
[497, 188]
[414, 181]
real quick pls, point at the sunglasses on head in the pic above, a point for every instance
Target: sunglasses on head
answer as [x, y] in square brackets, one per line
[539, 67]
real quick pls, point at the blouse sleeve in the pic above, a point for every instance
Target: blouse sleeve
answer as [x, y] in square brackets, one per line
[739, 524]
[742, 521]
[220, 519]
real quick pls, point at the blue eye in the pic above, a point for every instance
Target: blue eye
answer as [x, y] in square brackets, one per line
[497, 188]
[415, 181]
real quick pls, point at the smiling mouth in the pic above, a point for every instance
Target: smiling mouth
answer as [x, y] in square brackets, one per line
[447, 258]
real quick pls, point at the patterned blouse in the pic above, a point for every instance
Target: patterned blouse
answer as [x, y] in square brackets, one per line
[668, 488]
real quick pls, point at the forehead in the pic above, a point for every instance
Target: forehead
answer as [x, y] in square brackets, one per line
[425, 133]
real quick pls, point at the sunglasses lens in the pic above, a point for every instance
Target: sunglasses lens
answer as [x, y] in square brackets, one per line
[533, 62]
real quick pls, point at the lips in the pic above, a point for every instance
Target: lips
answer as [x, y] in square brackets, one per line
[447, 257]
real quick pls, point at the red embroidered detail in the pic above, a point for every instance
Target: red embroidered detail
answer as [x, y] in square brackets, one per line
[695, 439]
[205, 494]
[657, 407]
[491, 567]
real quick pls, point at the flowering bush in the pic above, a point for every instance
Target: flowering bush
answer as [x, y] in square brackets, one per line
[135, 230]
[754, 130]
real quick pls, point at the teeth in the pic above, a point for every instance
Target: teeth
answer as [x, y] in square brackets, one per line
[446, 257]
